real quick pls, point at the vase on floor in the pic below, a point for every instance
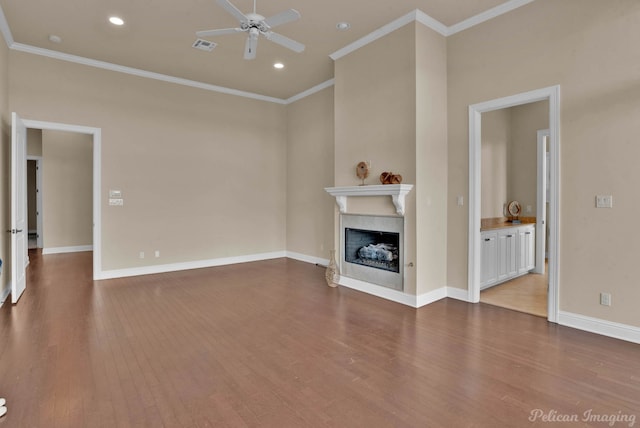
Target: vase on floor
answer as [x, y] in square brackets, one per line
[332, 274]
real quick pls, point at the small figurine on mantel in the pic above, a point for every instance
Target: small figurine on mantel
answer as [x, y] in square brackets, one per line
[362, 171]
[390, 178]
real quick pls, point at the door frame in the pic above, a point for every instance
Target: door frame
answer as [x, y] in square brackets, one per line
[552, 95]
[542, 138]
[96, 133]
[39, 223]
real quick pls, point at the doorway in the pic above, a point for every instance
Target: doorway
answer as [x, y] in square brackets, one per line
[550, 94]
[511, 174]
[19, 186]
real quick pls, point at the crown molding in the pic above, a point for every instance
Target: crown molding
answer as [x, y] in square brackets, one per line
[416, 15]
[310, 91]
[486, 16]
[430, 22]
[5, 30]
[140, 73]
[375, 35]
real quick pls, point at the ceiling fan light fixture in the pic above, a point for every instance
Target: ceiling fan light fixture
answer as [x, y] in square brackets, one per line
[116, 20]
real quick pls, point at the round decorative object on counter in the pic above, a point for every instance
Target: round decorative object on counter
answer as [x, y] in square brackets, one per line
[514, 208]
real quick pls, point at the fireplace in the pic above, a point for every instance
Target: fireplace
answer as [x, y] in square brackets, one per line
[372, 249]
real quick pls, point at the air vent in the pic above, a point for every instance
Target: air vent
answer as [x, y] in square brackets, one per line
[204, 45]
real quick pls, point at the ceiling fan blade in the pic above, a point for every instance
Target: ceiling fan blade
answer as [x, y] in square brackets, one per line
[226, 4]
[222, 32]
[250, 47]
[282, 18]
[284, 41]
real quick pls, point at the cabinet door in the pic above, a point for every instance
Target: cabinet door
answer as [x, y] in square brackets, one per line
[530, 255]
[489, 259]
[522, 251]
[507, 260]
[526, 249]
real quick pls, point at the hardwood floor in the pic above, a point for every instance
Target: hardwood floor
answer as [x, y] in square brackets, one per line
[268, 344]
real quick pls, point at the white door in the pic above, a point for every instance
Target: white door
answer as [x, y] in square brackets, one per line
[18, 230]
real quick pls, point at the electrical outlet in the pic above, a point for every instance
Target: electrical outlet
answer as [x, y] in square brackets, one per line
[605, 299]
[116, 202]
[142, 254]
[157, 253]
[460, 201]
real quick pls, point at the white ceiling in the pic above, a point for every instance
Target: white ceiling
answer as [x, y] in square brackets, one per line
[158, 35]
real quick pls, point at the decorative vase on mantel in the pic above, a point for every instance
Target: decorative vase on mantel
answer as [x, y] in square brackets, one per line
[332, 274]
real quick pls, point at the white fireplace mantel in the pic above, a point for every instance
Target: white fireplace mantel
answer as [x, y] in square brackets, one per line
[396, 191]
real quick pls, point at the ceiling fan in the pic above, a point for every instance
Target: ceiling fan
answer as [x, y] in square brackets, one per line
[254, 25]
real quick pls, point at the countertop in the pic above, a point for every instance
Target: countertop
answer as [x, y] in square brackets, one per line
[504, 222]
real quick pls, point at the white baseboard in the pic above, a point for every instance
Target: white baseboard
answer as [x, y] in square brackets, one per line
[431, 296]
[307, 259]
[379, 291]
[458, 294]
[173, 267]
[600, 326]
[60, 250]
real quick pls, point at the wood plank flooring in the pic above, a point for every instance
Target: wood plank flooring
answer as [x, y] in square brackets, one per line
[268, 344]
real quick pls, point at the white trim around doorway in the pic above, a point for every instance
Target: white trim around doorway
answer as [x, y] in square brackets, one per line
[96, 133]
[552, 94]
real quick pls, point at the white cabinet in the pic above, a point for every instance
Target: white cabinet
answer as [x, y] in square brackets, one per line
[527, 249]
[506, 253]
[488, 259]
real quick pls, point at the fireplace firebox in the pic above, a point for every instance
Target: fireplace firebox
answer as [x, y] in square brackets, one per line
[372, 249]
[375, 249]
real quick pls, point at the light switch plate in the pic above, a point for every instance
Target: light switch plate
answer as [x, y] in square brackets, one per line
[116, 202]
[604, 201]
[115, 193]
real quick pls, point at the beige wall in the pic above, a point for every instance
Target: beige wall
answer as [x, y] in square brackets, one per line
[591, 58]
[509, 157]
[496, 138]
[67, 189]
[431, 160]
[310, 154]
[5, 165]
[526, 121]
[34, 142]
[203, 175]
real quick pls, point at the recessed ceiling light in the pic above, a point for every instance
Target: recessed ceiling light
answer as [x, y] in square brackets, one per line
[55, 39]
[343, 26]
[116, 20]
[278, 65]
